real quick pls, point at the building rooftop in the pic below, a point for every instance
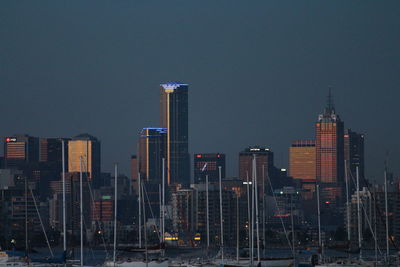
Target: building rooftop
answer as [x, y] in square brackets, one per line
[172, 85]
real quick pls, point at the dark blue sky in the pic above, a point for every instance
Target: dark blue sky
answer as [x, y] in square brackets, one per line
[258, 71]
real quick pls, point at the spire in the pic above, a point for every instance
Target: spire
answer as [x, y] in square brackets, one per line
[330, 106]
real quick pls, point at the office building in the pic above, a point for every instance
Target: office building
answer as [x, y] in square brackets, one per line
[264, 165]
[174, 118]
[207, 164]
[329, 145]
[302, 165]
[151, 153]
[354, 154]
[302, 160]
[86, 147]
[20, 150]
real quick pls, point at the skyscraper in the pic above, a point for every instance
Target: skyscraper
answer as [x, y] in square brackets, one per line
[151, 153]
[174, 117]
[207, 164]
[302, 159]
[264, 165]
[329, 134]
[19, 150]
[87, 147]
[354, 152]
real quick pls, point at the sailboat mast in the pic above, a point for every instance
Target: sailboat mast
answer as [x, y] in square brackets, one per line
[115, 210]
[252, 218]
[163, 201]
[359, 213]
[140, 211]
[220, 213]
[26, 217]
[386, 217]
[264, 209]
[237, 227]
[319, 218]
[81, 206]
[256, 206]
[249, 218]
[347, 202]
[208, 218]
[144, 225]
[64, 206]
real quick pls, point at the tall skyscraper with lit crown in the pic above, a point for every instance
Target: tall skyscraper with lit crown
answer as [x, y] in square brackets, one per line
[174, 117]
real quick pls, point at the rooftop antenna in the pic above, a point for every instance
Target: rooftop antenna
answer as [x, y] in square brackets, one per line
[330, 104]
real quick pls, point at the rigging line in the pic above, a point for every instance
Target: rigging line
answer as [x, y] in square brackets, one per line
[41, 223]
[97, 221]
[279, 211]
[151, 211]
[364, 208]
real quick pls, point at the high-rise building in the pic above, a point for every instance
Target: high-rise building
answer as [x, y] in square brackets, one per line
[264, 165]
[302, 165]
[302, 159]
[354, 152]
[151, 153]
[19, 150]
[329, 144]
[86, 147]
[134, 173]
[174, 117]
[207, 164]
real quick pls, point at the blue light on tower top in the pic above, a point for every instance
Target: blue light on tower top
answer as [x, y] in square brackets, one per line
[172, 85]
[156, 132]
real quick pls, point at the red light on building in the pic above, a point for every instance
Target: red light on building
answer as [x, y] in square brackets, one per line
[218, 155]
[198, 156]
[327, 202]
[7, 139]
[281, 215]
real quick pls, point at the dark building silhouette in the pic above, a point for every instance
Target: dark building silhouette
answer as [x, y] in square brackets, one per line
[207, 164]
[174, 117]
[329, 132]
[264, 165]
[354, 154]
[151, 153]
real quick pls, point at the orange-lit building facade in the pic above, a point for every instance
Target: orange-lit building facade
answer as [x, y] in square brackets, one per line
[329, 133]
[302, 160]
[87, 147]
[302, 165]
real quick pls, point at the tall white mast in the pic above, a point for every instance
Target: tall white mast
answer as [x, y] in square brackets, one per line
[140, 211]
[347, 202]
[207, 217]
[249, 218]
[115, 210]
[256, 206]
[359, 213]
[221, 214]
[64, 206]
[163, 201]
[252, 218]
[81, 206]
[319, 218]
[237, 227]
[387, 218]
[264, 209]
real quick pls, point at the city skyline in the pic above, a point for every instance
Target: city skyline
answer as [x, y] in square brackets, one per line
[101, 95]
